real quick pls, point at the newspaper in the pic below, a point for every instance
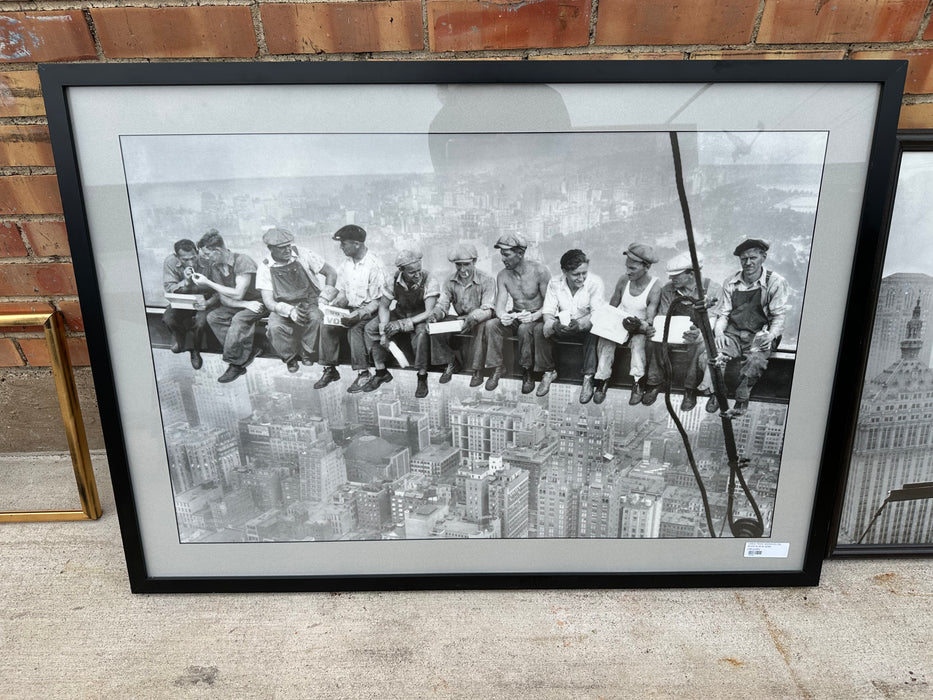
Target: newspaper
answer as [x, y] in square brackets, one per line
[679, 326]
[334, 314]
[607, 323]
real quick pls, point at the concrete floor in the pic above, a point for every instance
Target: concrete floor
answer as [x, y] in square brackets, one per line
[69, 627]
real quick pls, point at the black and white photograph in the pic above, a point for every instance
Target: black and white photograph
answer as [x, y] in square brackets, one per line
[426, 324]
[522, 419]
[888, 499]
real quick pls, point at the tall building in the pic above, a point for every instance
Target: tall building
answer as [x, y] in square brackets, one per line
[321, 470]
[403, 427]
[482, 428]
[508, 500]
[897, 299]
[277, 440]
[584, 441]
[220, 405]
[893, 446]
[535, 461]
[600, 506]
[641, 516]
[557, 505]
[199, 455]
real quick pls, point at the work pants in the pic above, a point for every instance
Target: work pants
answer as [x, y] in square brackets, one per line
[289, 339]
[180, 321]
[330, 344]
[535, 352]
[420, 343]
[696, 376]
[606, 354]
[234, 328]
[470, 352]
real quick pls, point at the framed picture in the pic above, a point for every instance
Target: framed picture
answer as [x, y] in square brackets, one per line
[306, 416]
[886, 499]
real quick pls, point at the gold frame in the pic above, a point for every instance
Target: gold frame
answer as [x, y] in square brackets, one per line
[51, 321]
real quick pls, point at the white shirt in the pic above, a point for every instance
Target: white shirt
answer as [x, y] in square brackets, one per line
[580, 304]
[361, 281]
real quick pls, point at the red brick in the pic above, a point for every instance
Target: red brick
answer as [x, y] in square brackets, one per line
[632, 56]
[818, 21]
[928, 34]
[71, 310]
[37, 354]
[916, 116]
[25, 145]
[29, 194]
[343, 27]
[175, 32]
[45, 36]
[472, 25]
[919, 70]
[20, 94]
[9, 356]
[29, 279]
[47, 237]
[771, 55]
[11, 243]
[635, 22]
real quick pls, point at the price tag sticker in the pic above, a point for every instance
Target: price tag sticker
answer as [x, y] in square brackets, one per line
[778, 550]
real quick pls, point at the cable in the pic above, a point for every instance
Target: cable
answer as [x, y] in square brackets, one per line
[743, 527]
[680, 428]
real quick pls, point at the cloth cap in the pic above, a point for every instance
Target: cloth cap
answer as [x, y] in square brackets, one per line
[511, 240]
[406, 257]
[462, 253]
[681, 263]
[642, 253]
[350, 232]
[277, 236]
[750, 243]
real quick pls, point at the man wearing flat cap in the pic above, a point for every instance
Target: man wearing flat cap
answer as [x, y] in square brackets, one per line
[360, 280]
[636, 295]
[290, 281]
[472, 294]
[680, 293]
[523, 283]
[233, 277]
[415, 292]
[751, 321]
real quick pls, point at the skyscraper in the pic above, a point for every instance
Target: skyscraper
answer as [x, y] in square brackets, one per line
[508, 500]
[897, 298]
[893, 447]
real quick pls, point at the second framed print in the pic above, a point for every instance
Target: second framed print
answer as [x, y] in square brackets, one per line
[406, 325]
[886, 499]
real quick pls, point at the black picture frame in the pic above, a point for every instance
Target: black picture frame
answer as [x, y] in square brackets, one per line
[887, 520]
[80, 98]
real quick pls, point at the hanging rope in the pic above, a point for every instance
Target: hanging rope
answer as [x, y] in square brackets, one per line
[743, 527]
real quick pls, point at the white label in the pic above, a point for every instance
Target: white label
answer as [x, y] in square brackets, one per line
[767, 549]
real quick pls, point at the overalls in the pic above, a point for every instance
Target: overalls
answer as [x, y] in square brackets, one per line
[292, 284]
[409, 301]
[745, 321]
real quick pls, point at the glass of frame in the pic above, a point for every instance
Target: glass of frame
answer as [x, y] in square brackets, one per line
[886, 499]
[554, 186]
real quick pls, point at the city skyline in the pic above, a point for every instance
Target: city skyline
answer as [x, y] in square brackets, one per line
[271, 459]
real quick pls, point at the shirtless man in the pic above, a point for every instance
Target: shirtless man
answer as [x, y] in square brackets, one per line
[525, 283]
[637, 295]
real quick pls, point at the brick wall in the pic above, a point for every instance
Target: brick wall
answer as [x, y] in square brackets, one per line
[35, 269]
